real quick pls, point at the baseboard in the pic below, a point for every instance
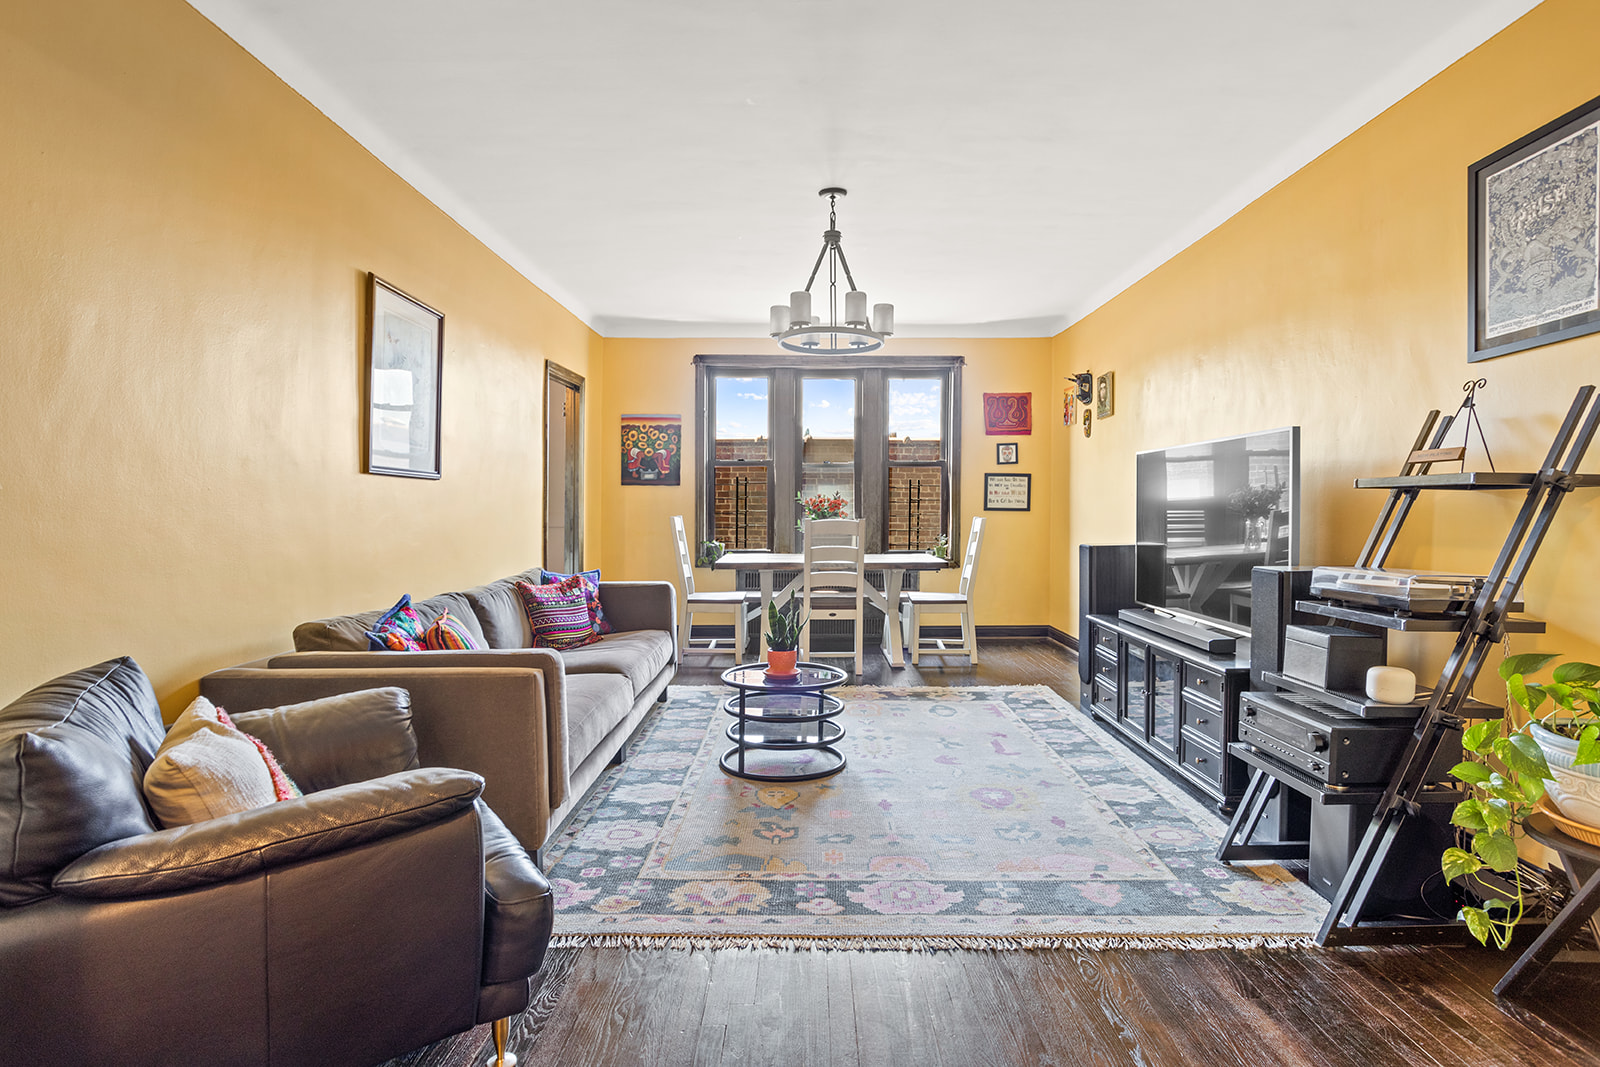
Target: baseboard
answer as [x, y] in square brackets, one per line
[987, 633]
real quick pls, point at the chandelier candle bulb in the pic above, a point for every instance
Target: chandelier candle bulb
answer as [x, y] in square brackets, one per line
[800, 308]
[780, 318]
[855, 308]
[883, 318]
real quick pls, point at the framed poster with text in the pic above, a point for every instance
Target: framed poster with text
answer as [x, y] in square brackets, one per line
[1007, 492]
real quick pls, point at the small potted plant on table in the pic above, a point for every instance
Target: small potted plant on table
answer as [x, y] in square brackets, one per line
[1513, 769]
[783, 638]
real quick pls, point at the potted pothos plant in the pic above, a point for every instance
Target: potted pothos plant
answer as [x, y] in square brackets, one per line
[710, 552]
[783, 638]
[1508, 772]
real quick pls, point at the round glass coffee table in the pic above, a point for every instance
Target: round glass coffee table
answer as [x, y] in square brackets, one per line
[784, 729]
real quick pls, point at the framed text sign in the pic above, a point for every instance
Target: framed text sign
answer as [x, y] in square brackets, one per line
[1007, 492]
[1533, 237]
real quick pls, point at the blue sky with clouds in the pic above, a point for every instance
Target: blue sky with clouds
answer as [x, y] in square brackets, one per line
[828, 407]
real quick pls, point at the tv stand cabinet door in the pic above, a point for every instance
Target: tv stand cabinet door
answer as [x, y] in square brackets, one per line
[1165, 672]
[1133, 710]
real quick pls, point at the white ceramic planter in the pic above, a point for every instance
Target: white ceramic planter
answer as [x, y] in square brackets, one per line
[1575, 791]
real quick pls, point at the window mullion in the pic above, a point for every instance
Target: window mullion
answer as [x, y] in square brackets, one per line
[872, 458]
[785, 438]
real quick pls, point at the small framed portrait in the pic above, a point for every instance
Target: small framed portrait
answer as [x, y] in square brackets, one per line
[1104, 395]
[1005, 452]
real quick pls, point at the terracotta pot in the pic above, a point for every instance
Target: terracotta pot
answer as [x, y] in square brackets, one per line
[782, 664]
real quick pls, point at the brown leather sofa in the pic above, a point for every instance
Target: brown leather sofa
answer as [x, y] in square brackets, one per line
[540, 726]
[383, 910]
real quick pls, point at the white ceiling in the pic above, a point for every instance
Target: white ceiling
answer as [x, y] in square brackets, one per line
[654, 165]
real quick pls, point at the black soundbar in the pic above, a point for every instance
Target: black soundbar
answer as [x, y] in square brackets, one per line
[1193, 634]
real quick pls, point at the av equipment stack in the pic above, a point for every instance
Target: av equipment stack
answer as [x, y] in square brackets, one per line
[1341, 749]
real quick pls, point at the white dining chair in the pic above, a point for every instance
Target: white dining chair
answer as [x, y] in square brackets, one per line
[735, 607]
[916, 603]
[834, 574]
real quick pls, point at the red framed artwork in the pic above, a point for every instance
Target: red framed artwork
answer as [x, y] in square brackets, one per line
[1008, 414]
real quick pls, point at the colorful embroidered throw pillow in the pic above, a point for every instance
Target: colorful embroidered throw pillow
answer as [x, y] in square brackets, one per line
[591, 591]
[399, 629]
[558, 614]
[448, 632]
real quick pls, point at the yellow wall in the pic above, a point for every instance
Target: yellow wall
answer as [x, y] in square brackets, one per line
[1338, 302]
[183, 262]
[657, 376]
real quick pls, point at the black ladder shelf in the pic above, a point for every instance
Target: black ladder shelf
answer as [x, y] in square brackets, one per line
[1484, 624]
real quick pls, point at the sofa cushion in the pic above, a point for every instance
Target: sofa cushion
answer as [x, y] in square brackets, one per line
[595, 703]
[399, 629]
[208, 773]
[591, 592]
[558, 614]
[638, 655]
[449, 632]
[348, 633]
[498, 609]
[73, 753]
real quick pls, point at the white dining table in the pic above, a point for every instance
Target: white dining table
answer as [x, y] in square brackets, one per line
[892, 564]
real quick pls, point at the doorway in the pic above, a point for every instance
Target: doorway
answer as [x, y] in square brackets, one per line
[563, 469]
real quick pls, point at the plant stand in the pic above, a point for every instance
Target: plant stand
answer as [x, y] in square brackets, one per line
[1582, 864]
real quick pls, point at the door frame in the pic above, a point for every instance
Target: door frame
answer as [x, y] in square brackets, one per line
[557, 376]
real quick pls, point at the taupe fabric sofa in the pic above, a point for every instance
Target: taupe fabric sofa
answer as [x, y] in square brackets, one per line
[540, 726]
[383, 910]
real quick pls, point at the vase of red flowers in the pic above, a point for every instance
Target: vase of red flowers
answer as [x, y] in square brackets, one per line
[820, 506]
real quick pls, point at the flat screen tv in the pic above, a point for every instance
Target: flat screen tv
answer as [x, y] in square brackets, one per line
[1209, 512]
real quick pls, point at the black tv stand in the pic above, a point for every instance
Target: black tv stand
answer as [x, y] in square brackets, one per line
[1193, 634]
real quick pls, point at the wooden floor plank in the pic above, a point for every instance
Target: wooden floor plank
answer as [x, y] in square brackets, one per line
[889, 1029]
[680, 982]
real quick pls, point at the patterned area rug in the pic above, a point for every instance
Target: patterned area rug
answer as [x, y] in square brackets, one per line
[966, 817]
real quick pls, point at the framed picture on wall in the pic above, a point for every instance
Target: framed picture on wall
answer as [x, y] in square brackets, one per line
[1005, 453]
[405, 360]
[1533, 238]
[1007, 492]
[1008, 414]
[652, 449]
[1105, 395]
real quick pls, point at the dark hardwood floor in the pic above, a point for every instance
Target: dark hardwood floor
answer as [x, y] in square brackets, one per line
[1318, 1008]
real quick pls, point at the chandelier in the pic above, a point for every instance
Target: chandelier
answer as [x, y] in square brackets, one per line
[796, 330]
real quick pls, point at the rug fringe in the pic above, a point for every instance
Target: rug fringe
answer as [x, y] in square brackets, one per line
[1087, 942]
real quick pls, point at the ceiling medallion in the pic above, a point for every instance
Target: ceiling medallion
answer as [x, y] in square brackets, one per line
[797, 331]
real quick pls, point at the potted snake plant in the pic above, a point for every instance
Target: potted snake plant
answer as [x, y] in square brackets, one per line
[783, 638]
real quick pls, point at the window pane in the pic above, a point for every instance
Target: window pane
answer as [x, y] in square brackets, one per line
[742, 418]
[916, 419]
[741, 507]
[915, 506]
[828, 436]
